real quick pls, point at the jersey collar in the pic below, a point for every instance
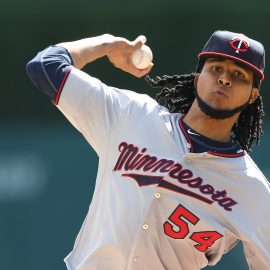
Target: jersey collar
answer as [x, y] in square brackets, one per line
[215, 153]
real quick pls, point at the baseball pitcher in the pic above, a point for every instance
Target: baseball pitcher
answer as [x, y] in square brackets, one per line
[176, 187]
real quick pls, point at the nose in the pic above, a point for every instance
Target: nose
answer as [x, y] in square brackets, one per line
[225, 82]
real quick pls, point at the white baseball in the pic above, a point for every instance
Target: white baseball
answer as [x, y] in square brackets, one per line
[142, 57]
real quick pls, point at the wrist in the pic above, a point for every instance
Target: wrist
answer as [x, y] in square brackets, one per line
[107, 42]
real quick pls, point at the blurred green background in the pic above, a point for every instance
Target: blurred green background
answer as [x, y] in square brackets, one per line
[47, 169]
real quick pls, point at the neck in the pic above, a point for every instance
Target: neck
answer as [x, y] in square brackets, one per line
[215, 129]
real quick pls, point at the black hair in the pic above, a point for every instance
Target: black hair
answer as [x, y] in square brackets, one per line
[178, 93]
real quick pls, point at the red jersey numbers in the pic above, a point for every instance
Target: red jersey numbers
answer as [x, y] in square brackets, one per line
[178, 225]
[205, 239]
[179, 219]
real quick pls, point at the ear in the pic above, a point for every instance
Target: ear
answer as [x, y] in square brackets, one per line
[253, 95]
[197, 75]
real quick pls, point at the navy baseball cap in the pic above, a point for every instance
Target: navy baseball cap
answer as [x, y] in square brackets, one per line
[238, 47]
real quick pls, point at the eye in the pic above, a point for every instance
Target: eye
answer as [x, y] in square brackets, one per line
[216, 68]
[239, 74]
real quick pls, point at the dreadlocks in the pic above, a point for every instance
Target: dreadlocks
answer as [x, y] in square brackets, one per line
[178, 94]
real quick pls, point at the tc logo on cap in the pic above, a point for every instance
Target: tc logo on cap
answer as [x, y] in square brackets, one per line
[239, 44]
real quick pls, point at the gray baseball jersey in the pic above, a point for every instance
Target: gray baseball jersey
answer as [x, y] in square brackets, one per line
[156, 204]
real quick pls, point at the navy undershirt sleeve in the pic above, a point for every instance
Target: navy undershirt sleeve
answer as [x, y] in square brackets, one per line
[48, 69]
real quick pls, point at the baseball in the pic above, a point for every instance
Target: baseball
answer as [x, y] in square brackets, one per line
[142, 57]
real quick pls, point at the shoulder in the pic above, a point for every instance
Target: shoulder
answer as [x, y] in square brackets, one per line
[136, 101]
[255, 175]
[245, 172]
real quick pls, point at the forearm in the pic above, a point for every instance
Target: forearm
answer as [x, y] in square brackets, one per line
[87, 50]
[118, 50]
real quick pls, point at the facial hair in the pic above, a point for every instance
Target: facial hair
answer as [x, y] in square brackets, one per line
[219, 113]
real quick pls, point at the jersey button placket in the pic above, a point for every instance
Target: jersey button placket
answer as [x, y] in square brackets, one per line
[136, 259]
[145, 226]
[188, 158]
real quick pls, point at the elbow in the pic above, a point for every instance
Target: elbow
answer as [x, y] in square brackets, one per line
[36, 73]
[30, 68]
[33, 68]
[48, 70]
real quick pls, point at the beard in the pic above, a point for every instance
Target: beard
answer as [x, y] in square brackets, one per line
[219, 113]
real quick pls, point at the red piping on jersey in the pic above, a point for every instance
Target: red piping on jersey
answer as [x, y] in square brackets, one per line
[184, 131]
[62, 85]
[227, 155]
[209, 152]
